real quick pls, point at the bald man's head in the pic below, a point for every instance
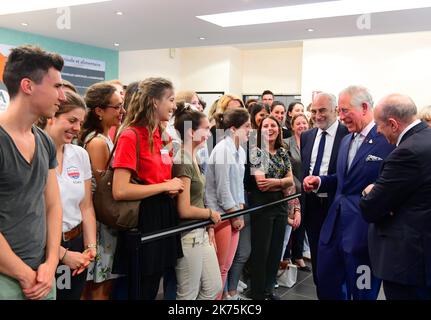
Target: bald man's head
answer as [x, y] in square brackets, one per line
[398, 106]
[393, 114]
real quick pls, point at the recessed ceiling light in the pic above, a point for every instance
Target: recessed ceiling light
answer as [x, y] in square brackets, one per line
[310, 30]
[24, 24]
[17, 6]
[116, 44]
[309, 11]
[119, 13]
[202, 38]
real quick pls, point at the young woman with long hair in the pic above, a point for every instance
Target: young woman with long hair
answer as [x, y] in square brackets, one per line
[105, 110]
[151, 105]
[197, 273]
[224, 190]
[78, 245]
[271, 168]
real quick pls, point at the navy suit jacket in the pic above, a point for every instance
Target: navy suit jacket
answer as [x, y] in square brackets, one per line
[399, 209]
[307, 142]
[349, 185]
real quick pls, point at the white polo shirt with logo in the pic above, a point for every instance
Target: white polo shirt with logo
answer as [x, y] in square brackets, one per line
[76, 170]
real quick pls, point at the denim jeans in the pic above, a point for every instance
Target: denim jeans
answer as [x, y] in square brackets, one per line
[241, 256]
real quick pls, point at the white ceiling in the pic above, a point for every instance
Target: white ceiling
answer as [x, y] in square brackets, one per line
[152, 24]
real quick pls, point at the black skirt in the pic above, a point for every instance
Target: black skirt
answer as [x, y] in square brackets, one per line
[155, 214]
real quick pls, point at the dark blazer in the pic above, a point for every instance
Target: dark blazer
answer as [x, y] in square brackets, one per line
[295, 161]
[399, 210]
[307, 142]
[349, 184]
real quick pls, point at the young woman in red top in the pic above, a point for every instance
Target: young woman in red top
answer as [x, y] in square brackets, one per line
[152, 104]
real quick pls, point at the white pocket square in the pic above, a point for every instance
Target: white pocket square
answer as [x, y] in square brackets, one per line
[373, 158]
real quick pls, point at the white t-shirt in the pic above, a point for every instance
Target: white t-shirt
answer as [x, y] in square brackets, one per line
[76, 170]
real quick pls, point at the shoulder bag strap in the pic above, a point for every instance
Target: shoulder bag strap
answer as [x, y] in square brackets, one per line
[138, 149]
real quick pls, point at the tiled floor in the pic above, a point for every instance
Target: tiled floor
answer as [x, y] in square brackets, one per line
[303, 289]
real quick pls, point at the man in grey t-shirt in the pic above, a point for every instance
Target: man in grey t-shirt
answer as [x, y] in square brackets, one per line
[30, 210]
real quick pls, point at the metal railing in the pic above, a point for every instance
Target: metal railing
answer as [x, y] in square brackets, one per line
[135, 239]
[199, 224]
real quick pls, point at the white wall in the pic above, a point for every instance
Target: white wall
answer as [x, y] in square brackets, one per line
[141, 64]
[236, 72]
[385, 64]
[227, 69]
[278, 70]
[198, 69]
[207, 69]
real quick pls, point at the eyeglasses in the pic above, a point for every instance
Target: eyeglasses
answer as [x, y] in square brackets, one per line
[117, 107]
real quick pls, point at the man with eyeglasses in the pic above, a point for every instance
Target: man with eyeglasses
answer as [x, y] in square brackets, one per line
[344, 271]
[319, 150]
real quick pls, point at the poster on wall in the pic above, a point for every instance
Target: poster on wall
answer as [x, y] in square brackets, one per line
[4, 97]
[82, 72]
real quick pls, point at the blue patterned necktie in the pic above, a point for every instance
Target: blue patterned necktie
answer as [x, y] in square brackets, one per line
[356, 142]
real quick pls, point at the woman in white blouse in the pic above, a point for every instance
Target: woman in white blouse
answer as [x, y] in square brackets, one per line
[224, 189]
[78, 245]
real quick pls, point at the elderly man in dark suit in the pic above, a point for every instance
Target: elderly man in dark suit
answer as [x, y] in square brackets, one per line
[398, 205]
[319, 151]
[343, 269]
